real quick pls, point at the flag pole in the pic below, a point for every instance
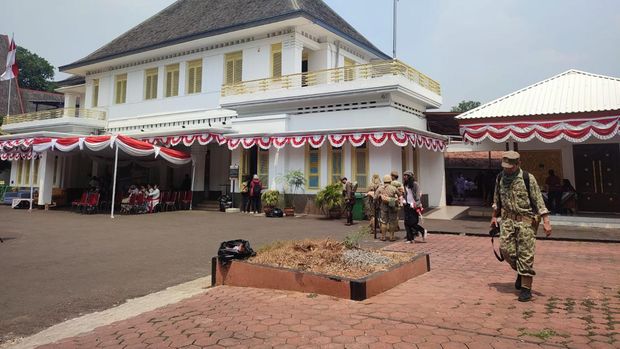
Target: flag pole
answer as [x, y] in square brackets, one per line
[394, 31]
[8, 101]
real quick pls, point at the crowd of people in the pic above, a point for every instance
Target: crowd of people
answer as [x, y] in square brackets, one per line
[251, 188]
[151, 197]
[384, 199]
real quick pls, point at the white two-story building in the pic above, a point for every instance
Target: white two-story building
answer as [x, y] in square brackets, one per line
[271, 86]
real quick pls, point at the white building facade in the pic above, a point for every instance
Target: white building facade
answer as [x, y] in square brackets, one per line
[289, 87]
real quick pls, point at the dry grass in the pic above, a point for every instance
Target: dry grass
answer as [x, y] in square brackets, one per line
[319, 256]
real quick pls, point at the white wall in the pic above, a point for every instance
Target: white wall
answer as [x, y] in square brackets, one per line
[432, 177]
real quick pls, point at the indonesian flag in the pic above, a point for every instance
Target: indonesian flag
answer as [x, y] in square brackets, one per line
[11, 66]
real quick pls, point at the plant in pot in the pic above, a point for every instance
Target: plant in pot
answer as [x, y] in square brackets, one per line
[330, 200]
[293, 181]
[269, 199]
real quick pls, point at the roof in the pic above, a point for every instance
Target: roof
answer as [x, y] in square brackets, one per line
[73, 80]
[442, 123]
[187, 20]
[573, 91]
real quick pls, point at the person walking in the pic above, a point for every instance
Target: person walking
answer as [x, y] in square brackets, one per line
[256, 188]
[349, 199]
[387, 196]
[518, 201]
[412, 207]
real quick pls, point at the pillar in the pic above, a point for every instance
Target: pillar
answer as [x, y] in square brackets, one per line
[46, 178]
[199, 154]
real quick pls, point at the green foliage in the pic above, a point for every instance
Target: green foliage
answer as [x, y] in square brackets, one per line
[293, 181]
[465, 106]
[270, 198]
[352, 240]
[329, 197]
[35, 72]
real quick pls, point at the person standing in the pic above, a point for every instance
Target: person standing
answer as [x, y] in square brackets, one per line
[153, 198]
[371, 210]
[256, 188]
[553, 186]
[349, 199]
[460, 185]
[387, 196]
[412, 207]
[519, 203]
[245, 194]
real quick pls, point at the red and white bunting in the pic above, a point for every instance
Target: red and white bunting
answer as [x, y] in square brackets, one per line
[378, 139]
[128, 145]
[572, 130]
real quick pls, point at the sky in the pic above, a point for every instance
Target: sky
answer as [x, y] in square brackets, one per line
[477, 49]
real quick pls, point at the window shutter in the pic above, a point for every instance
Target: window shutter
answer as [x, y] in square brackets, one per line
[120, 93]
[276, 60]
[198, 79]
[172, 80]
[263, 167]
[95, 102]
[238, 70]
[234, 70]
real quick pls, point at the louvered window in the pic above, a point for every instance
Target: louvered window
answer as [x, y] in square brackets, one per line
[276, 60]
[150, 83]
[172, 80]
[360, 166]
[336, 160]
[120, 94]
[349, 69]
[263, 167]
[313, 167]
[234, 68]
[194, 76]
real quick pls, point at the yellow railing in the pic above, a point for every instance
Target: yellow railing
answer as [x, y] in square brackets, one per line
[335, 75]
[55, 114]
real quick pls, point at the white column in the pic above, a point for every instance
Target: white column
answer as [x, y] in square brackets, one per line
[432, 176]
[46, 178]
[182, 70]
[199, 153]
[292, 50]
[161, 74]
[70, 100]
[114, 181]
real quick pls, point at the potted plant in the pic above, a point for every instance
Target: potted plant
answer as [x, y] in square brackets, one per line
[270, 200]
[330, 200]
[293, 181]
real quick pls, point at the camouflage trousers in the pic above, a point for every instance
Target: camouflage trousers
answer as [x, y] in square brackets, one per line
[518, 246]
[389, 216]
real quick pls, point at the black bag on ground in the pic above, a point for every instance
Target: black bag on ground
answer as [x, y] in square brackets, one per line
[234, 249]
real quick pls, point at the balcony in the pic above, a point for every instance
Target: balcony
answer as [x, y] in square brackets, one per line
[61, 120]
[373, 76]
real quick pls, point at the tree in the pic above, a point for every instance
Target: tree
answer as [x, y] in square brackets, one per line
[465, 106]
[35, 72]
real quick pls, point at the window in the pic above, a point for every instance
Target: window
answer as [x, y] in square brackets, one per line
[194, 76]
[120, 94]
[313, 167]
[360, 165]
[150, 83]
[263, 167]
[172, 80]
[234, 69]
[349, 69]
[336, 164]
[276, 60]
[95, 93]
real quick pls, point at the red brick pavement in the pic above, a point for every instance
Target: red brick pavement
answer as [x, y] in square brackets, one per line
[466, 301]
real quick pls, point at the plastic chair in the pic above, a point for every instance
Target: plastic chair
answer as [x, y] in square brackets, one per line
[187, 200]
[93, 203]
[171, 202]
[82, 201]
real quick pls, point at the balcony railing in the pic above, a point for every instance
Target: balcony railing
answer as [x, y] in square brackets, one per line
[331, 76]
[55, 114]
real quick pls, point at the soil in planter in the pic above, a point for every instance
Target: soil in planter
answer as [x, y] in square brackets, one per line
[327, 257]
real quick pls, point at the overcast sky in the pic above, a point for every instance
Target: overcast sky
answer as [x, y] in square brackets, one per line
[477, 49]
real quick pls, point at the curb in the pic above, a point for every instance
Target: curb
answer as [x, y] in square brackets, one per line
[606, 241]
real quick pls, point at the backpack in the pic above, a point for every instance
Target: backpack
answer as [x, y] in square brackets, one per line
[256, 189]
[234, 249]
[526, 179]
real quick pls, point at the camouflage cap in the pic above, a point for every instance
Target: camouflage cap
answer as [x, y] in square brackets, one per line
[394, 174]
[387, 179]
[510, 159]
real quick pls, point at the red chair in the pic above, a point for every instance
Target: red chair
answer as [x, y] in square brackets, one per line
[83, 200]
[187, 200]
[140, 206]
[93, 203]
[163, 198]
[171, 202]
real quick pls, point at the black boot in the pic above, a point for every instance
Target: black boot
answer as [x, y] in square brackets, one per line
[518, 282]
[525, 295]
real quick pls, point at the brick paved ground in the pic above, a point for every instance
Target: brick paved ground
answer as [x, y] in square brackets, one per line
[466, 301]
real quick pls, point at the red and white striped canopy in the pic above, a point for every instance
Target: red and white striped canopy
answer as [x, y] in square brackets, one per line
[128, 145]
[548, 131]
[400, 138]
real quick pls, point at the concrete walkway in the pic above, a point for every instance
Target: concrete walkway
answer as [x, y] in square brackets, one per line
[467, 301]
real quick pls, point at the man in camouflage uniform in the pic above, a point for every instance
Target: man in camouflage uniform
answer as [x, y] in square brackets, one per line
[369, 203]
[519, 220]
[387, 196]
[401, 191]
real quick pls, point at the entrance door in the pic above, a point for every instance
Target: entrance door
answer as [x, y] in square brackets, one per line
[597, 177]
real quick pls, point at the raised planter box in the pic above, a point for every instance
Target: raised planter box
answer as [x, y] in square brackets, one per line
[245, 274]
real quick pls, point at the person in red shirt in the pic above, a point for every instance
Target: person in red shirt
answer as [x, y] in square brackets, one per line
[553, 185]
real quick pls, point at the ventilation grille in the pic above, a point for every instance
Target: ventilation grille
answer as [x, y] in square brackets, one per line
[408, 109]
[336, 107]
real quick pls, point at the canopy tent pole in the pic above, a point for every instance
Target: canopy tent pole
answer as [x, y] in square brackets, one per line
[192, 187]
[114, 181]
[31, 181]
